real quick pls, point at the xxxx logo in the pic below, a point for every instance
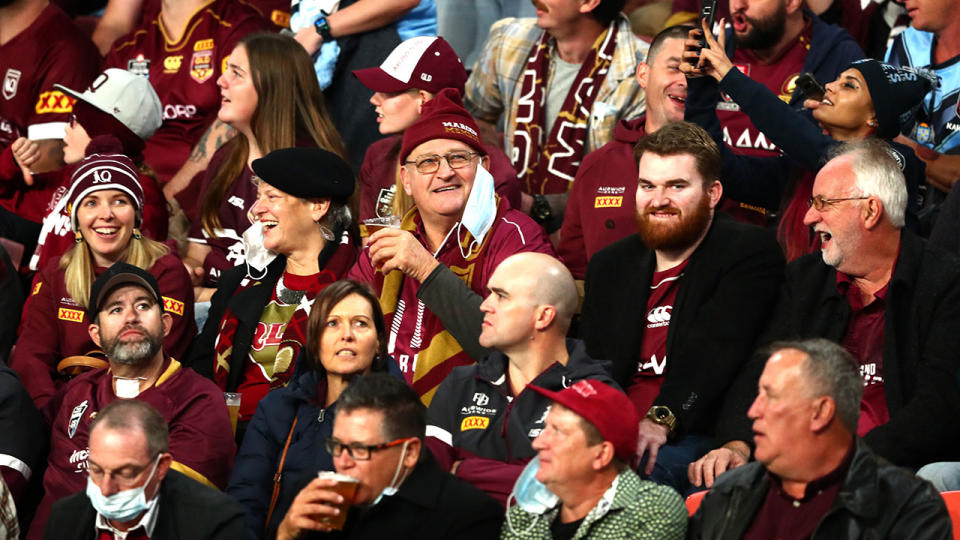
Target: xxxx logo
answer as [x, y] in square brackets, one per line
[474, 422]
[173, 306]
[74, 315]
[608, 202]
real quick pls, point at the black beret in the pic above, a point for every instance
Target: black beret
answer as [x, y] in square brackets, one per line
[308, 173]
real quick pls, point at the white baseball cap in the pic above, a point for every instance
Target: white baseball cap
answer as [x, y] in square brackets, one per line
[127, 97]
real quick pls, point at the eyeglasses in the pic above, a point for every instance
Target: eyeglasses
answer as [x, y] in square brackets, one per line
[431, 164]
[125, 476]
[73, 120]
[358, 451]
[820, 202]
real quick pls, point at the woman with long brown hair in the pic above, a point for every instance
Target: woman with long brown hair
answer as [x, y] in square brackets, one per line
[271, 97]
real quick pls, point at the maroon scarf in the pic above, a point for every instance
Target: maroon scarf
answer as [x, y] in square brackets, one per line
[550, 167]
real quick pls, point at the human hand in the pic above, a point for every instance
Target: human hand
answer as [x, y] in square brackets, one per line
[713, 60]
[397, 249]
[309, 39]
[705, 470]
[26, 153]
[308, 508]
[652, 437]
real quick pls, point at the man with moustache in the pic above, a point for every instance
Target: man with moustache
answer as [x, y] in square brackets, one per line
[773, 42]
[600, 210]
[677, 307]
[129, 324]
[574, 64]
[888, 297]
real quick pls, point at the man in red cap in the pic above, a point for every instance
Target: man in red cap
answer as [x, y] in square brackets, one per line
[585, 454]
[437, 263]
[413, 74]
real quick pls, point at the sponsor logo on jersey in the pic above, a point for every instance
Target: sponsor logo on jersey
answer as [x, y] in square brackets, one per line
[75, 418]
[173, 306]
[74, 315]
[10, 83]
[789, 85]
[36, 288]
[659, 316]
[924, 134]
[171, 64]
[203, 45]
[608, 202]
[280, 18]
[79, 456]
[201, 66]
[236, 201]
[474, 422]
[175, 112]
[139, 66]
[481, 399]
[54, 101]
[223, 64]
[611, 190]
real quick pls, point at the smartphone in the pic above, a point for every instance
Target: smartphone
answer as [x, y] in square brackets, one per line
[708, 12]
[808, 84]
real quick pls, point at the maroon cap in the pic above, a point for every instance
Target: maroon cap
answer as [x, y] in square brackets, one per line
[608, 409]
[426, 63]
[443, 117]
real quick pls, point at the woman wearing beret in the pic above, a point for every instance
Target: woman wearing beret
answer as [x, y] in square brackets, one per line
[258, 316]
[271, 97]
[105, 206]
[866, 100]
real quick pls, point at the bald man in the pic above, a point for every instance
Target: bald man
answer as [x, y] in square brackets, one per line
[531, 301]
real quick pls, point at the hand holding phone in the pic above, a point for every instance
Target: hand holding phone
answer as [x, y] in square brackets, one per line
[812, 89]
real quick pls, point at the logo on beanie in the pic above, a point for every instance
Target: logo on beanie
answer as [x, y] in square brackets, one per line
[585, 389]
[457, 127]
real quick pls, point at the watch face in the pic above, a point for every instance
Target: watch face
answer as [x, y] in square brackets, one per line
[661, 413]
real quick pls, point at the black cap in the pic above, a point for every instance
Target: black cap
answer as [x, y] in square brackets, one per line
[119, 274]
[308, 173]
[895, 93]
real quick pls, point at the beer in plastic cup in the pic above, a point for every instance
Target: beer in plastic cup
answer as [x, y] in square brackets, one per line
[346, 487]
[233, 407]
[377, 223]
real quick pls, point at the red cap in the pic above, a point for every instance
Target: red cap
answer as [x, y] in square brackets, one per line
[608, 409]
[426, 63]
[443, 117]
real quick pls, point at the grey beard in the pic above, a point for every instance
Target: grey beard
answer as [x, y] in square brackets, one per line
[133, 353]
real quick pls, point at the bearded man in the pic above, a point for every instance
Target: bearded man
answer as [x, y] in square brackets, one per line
[129, 324]
[678, 306]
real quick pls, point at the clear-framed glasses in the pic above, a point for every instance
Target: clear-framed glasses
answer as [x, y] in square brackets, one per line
[820, 202]
[359, 451]
[431, 164]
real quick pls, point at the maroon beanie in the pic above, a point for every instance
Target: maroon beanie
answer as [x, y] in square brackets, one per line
[443, 117]
[96, 123]
[108, 170]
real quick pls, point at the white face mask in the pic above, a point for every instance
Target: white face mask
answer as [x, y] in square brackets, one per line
[481, 208]
[391, 489]
[256, 256]
[123, 505]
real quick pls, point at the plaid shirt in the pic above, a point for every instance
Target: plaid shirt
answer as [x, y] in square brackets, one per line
[630, 508]
[8, 513]
[494, 81]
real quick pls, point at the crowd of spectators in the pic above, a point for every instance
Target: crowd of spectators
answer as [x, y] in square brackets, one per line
[478, 269]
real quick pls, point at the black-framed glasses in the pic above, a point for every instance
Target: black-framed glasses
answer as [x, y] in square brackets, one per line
[431, 164]
[820, 202]
[359, 451]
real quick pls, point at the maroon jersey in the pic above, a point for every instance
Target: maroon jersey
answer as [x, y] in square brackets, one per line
[226, 246]
[602, 202]
[30, 64]
[378, 177]
[275, 11]
[184, 74]
[54, 326]
[780, 76]
[201, 439]
[652, 365]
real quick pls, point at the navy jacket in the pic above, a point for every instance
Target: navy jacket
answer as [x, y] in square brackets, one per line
[251, 482]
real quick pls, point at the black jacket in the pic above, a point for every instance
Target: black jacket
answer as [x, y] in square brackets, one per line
[430, 505]
[876, 500]
[726, 294]
[921, 348]
[188, 510]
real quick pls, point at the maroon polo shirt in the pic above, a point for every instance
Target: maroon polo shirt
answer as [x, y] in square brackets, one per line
[784, 518]
[864, 340]
[652, 364]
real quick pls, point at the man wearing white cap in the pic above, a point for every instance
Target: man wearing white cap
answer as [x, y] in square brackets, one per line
[413, 73]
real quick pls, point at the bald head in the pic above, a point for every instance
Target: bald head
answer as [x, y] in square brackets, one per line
[549, 282]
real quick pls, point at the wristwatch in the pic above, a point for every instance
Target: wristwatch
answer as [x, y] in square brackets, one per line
[661, 414]
[541, 212]
[322, 28]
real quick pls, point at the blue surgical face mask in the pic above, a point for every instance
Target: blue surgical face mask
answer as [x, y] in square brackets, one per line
[391, 489]
[532, 496]
[123, 505]
[481, 207]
